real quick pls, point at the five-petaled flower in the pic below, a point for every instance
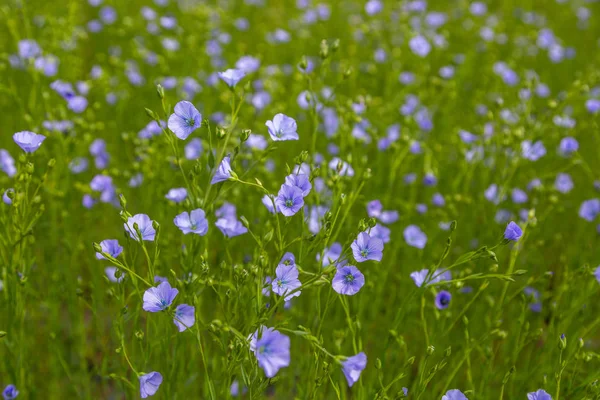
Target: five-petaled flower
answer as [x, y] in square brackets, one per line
[366, 248]
[185, 120]
[159, 298]
[289, 200]
[348, 280]
[192, 222]
[282, 128]
[286, 281]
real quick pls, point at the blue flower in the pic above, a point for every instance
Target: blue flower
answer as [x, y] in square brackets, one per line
[272, 350]
[367, 248]
[414, 236]
[568, 145]
[442, 300]
[230, 226]
[248, 64]
[589, 209]
[533, 151]
[419, 46]
[7, 163]
[513, 232]
[193, 150]
[110, 274]
[185, 317]
[300, 181]
[111, 247]
[149, 384]
[332, 255]
[177, 195]
[29, 48]
[5, 197]
[144, 224]
[454, 394]
[282, 127]
[348, 280]
[341, 167]
[185, 120]
[419, 277]
[518, 196]
[77, 104]
[159, 298]
[268, 201]
[286, 280]
[192, 222]
[289, 200]
[223, 172]
[10, 392]
[231, 76]
[563, 183]
[28, 141]
[540, 394]
[353, 367]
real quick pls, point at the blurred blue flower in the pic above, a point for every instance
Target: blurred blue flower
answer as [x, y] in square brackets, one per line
[563, 183]
[177, 195]
[414, 236]
[271, 349]
[10, 392]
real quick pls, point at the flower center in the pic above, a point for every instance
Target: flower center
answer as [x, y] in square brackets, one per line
[364, 252]
[349, 278]
[190, 121]
[289, 203]
[444, 301]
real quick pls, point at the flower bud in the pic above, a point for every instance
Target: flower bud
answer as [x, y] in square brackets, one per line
[221, 132]
[562, 342]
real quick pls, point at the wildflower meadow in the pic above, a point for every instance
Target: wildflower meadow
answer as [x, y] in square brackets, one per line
[300, 199]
